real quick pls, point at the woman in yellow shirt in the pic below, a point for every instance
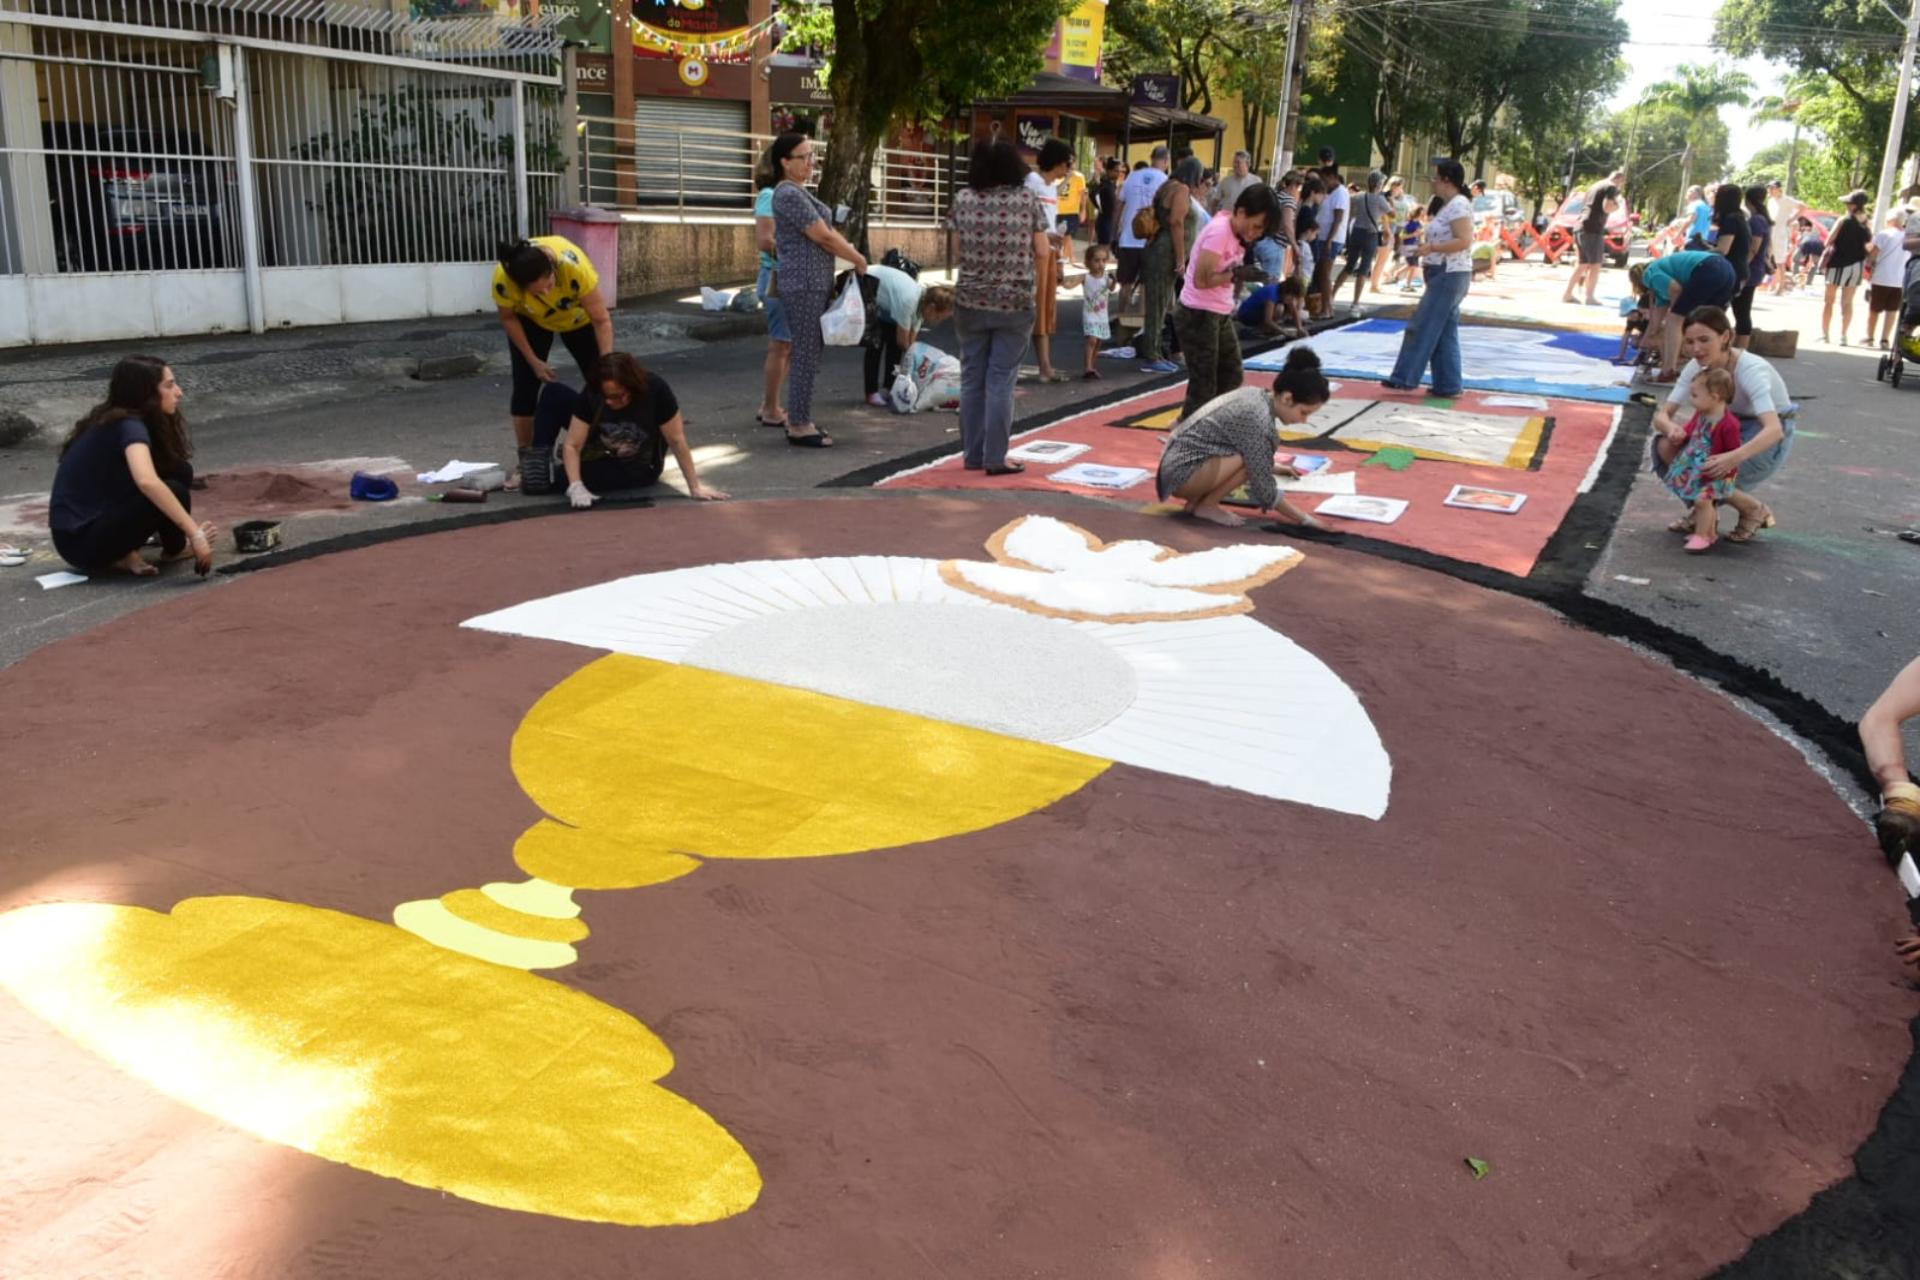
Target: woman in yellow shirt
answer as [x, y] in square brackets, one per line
[1073, 208]
[547, 286]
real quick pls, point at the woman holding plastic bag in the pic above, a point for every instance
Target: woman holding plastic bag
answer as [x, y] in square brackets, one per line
[808, 245]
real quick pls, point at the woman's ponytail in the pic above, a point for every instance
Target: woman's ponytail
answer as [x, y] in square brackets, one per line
[1301, 377]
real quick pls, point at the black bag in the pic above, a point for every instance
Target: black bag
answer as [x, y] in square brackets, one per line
[900, 262]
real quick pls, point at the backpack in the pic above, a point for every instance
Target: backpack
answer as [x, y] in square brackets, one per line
[1146, 223]
[900, 262]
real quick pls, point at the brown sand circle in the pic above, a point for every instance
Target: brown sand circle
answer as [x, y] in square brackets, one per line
[1159, 1029]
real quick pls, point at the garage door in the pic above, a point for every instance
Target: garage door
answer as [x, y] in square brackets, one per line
[692, 146]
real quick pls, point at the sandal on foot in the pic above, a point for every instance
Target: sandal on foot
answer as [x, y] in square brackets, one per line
[1697, 544]
[1007, 469]
[781, 423]
[814, 440]
[1683, 525]
[1744, 531]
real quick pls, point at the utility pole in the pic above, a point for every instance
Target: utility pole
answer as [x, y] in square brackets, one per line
[1283, 116]
[1889, 163]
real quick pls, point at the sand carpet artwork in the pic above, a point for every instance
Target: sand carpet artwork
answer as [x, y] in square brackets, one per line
[1551, 449]
[908, 886]
[1565, 363]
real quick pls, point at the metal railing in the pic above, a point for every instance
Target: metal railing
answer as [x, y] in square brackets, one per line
[702, 175]
[134, 163]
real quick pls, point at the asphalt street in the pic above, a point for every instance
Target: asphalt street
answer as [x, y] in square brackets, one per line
[1824, 601]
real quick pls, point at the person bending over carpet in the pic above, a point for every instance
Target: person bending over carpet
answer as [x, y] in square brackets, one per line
[124, 477]
[616, 435]
[1231, 442]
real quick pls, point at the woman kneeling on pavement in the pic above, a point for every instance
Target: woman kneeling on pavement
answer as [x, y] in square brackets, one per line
[124, 477]
[1204, 317]
[1760, 401]
[1231, 442]
[616, 435]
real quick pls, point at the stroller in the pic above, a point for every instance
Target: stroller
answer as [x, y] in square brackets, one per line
[1906, 343]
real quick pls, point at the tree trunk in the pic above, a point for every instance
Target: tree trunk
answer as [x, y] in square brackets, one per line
[1686, 176]
[844, 173]
[1793, 157]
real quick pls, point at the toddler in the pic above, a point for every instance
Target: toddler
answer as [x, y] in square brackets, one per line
[1410, 233]
[1093, 315]
[1636, 313]
[1686, 451]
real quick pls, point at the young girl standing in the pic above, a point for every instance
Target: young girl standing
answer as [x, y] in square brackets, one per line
[1685, 451]
[1093, 313]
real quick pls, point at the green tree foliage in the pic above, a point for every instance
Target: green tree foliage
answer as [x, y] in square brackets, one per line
[1519, 75]
[1823, 179]
[1698, 93]
[1847, 52]
[1649, 140]
[897, 60]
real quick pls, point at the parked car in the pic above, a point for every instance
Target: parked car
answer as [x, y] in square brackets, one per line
[126, 199]
[1623, 226]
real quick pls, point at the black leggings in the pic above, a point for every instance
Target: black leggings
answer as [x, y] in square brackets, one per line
[559, 405]
[584, 347]
[1743, 311]
[885, 358]
[110, 535]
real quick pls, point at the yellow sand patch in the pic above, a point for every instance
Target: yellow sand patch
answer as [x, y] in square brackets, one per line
[647, 765]
[363, 1044]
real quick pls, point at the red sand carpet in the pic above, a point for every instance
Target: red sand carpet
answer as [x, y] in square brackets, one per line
[1159, 1028]
[1580, 431]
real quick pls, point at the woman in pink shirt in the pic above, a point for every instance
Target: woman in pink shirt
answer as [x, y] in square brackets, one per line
[1204, 318]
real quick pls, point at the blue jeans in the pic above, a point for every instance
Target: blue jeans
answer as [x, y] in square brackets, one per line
[991, 344]
[776, 310]
[1433, 335]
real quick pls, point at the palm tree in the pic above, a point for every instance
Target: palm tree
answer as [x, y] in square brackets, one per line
[1769, 109]
[1699, 93]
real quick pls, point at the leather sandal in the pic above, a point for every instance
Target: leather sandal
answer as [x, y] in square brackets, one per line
[1745, 529]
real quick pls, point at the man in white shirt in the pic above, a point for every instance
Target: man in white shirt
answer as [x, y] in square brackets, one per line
[1334, 212]
[1136, 194]
[1887, 272]
[1783, 209]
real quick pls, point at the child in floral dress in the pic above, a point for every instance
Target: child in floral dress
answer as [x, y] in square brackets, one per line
[1712, 430]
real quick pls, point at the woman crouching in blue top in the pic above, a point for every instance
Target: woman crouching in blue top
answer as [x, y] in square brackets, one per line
[124, 477]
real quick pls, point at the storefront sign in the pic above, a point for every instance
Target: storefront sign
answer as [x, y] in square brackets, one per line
[1034, 130]
[1081, 33]
[1156, 91]
[592, 73]
[793, 86]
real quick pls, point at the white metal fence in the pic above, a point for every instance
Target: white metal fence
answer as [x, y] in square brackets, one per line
[186, 167]
[698, 175]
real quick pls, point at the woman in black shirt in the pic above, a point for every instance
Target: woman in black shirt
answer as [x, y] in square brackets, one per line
[615, 435]
[124, 477]
[1845, 264]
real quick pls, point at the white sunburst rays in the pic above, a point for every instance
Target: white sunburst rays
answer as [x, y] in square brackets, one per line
[1223, 700]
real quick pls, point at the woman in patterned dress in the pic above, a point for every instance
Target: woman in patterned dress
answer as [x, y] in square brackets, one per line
[808, 245]
[1002, 234]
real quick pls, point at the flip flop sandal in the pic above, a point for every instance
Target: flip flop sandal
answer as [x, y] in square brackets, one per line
[781, 424]
[818, 440]
[1683, 525]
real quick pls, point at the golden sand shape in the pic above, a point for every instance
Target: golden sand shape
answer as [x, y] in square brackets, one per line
[363, 1044]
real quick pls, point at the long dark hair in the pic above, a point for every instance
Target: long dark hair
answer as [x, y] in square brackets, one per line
[766, 173]
[1727, 201]
[1757, 200]
[134, 392]
[995, 163]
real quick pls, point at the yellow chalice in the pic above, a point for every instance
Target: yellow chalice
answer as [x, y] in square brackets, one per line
[430, 1053]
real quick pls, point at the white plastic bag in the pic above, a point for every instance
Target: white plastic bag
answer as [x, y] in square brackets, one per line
[903, 395]
[934, 375]
[845, 318]
[712, 299]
